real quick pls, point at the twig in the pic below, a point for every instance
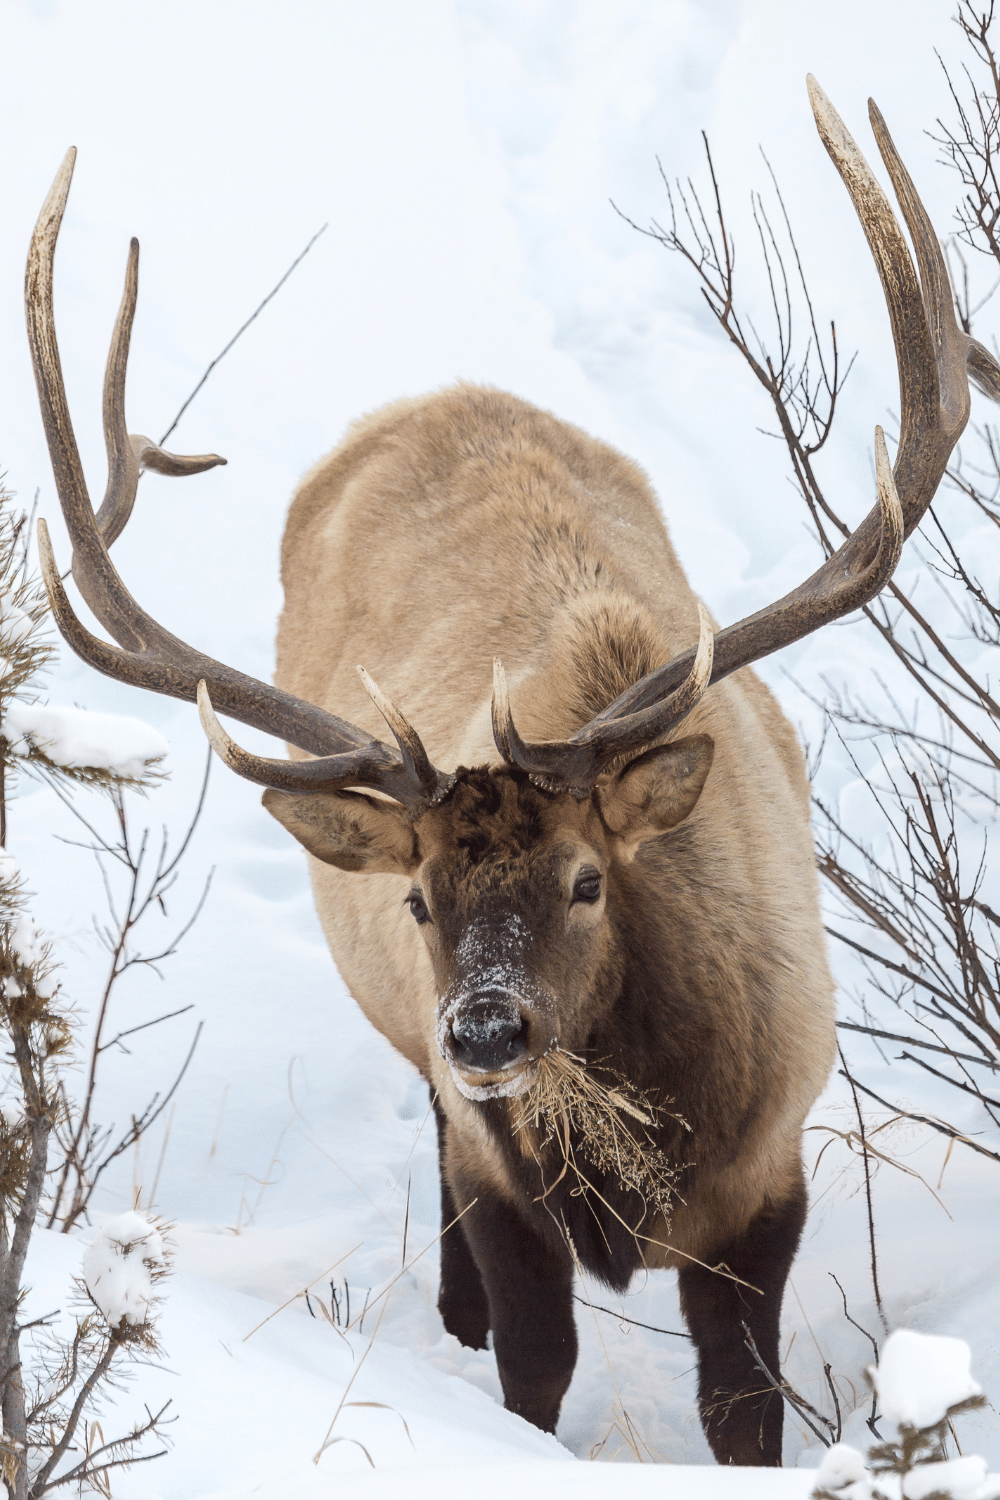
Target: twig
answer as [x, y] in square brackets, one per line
[240, 331]
[836, 1400]
[82, 1144]
[892, 1036]
[69, 1428]
[798, 1403]
[302, 1293]
[142, 1124]
[873, 1417]
[868, 1192]
[633, 1321]
[169, 1016]
[939, 1125]
[87, 1468]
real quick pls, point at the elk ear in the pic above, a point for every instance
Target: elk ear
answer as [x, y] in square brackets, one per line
[657, 791]
[348, 829]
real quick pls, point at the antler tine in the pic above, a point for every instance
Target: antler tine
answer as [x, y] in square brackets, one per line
[500, 713]
[128, 456]
[935, 360]
[575, 764]
[893, 535]
[151, 657]
[97, 578]
[918, 469]
[371, 766]
[433, 784]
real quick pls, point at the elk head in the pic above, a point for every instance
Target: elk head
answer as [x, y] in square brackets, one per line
[510, 886]
[511, 868]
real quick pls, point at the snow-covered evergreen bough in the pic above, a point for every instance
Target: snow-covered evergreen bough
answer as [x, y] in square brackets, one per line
[601, 945]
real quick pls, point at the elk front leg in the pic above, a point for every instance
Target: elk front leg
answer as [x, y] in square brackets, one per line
[529, 1291]
[740, 1411]
[461, 1297]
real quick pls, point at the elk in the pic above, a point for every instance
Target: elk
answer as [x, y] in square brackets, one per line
[582, 880]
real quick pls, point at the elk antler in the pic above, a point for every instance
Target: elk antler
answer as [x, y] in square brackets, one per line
[935, 359]
[574, 765]
[150, 656]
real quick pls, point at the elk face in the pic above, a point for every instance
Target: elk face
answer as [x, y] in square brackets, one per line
[510, 890]
[510, 897]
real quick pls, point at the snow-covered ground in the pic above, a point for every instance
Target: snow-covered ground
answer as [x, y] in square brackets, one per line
[463, 152]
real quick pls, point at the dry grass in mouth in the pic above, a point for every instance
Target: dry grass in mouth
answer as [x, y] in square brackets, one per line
[565, 1100]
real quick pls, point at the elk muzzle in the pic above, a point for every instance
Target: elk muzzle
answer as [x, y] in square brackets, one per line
[485, 1036]
[489, 1034]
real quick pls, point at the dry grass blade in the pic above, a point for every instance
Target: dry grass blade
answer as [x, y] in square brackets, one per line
[853, 1141]
[302, 1293]
[569, 1106]
[330, 1442]
[383, 1297]
[383, 1406]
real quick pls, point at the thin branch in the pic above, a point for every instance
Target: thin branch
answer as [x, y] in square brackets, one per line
[799, 1404]
[892, 1036]
[673, 1333]
[868, 1191]
[240, 331]
[168, 1016]
[939, 1125]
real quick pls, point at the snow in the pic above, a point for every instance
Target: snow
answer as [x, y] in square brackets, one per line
[959, 1478]
[12, 1110]
[26, 941]
[15, 624]
[844, 1473]
[841, 1465]
[78, 737]
[463, 153]
[28, 945]
[118, 1266]
[921, 1375]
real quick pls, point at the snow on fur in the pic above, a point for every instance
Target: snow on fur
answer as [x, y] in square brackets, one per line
[118, 1267]
[77, 737]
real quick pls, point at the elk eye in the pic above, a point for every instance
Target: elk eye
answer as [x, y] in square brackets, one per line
[418, 908]
[588, 888]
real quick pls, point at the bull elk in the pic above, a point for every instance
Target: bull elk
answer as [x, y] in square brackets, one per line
[594, 887]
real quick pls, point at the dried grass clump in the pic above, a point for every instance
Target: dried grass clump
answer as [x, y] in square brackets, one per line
[566, 1105]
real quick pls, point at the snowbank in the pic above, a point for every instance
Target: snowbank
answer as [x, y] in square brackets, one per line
[256, 1398]
[554, 1481]
[960, 1478]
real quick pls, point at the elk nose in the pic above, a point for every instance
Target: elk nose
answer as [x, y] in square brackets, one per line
[489, 1035]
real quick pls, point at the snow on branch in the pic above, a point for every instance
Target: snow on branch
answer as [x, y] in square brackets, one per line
[924, 1381]
[120, 1266]
[921, 1376]
[76, 738]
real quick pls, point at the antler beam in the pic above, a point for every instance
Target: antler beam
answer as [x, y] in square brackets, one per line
[149, 656]
[935, 360]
